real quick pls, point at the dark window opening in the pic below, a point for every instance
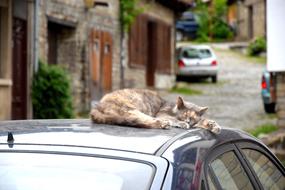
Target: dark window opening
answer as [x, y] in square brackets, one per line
[61, 44]
[52, 43]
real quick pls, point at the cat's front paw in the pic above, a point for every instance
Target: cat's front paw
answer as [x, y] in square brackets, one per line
[182, 125]
[214, 127]
[165, 124]
[210, 125]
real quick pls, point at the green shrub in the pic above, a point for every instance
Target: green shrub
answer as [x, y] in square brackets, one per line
[211, 22]
[51, 93]
[221, 30]
[186, 91]
[263, 129]
[203, 21]
[257, 46]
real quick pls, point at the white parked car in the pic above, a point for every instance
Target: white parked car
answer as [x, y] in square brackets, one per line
[196, 61]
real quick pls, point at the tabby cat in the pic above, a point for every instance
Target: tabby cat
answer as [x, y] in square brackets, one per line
[146, 109]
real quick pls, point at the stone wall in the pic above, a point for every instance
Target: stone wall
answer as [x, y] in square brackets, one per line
[258, 19]
[242, 22]
[280, 104]
[73, 51]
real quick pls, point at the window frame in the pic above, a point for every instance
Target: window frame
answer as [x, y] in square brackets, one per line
[263, 150]
[220, 150]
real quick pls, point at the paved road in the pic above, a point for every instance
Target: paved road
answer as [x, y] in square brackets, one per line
[235, 101]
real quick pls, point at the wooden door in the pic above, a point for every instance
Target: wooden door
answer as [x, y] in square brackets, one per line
[106, 62]
[19, 89]
[151, 54]
[100, 63]
[150, 44]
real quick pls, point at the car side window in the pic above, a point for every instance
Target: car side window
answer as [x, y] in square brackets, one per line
[229, 173]
[211, 184]
[268, 174]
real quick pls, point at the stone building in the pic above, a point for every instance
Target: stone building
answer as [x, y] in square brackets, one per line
[16, 58]
[83, 36]
[77, 34]
[85, 40]
[247, 18]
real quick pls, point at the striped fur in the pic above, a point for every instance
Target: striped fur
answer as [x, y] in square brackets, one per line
[146, 109]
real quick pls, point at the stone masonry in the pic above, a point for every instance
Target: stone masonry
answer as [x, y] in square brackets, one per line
[73, 50]
[76, 21]
[280, 92]
[251, 20]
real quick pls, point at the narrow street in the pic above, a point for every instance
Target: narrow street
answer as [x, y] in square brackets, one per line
[235, 101]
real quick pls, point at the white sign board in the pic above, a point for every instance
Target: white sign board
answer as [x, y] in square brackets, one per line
[276, 35]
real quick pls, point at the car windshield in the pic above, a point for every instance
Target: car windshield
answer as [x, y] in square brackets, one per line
[29, 171]
[193, 53]
[188, 16]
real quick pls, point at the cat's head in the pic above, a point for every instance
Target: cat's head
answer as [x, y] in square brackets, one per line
[188, 112]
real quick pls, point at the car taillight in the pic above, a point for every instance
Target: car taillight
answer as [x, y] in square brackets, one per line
[214, 63]
[181, 64]
[263, 83]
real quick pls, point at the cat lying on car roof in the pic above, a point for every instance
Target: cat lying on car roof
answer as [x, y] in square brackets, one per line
[146, 109]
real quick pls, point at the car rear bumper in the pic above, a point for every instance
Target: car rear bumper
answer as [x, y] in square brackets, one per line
[266, 97]
[198, 71]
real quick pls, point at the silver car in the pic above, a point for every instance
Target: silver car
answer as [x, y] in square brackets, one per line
[76, 154]
[197, 61]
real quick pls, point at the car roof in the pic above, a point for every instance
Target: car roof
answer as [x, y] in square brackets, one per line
[195, 46]
[83, 133]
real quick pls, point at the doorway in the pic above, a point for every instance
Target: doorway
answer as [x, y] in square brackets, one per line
[151, 53]
[19, 90]
[250, 22]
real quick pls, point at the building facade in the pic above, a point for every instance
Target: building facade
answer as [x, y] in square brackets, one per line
[85, 40]
[17, 34]
[247, 18]
[79, 35]
[84, 37]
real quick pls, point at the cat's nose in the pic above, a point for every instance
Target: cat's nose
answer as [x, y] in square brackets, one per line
[188, 120]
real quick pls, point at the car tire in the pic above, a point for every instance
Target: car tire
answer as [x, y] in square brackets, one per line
[179, 35]
[214, 79]
[269, 108]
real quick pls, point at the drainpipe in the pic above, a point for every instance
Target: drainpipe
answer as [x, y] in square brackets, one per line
[34, 53]
[36, 44]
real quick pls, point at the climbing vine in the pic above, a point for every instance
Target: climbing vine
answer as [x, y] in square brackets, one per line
[129, 10]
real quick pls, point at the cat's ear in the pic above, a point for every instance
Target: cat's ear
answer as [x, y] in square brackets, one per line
[202, 110]
[180, 102]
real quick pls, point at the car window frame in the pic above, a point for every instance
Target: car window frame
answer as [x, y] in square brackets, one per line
[220, 150]
[265, 151]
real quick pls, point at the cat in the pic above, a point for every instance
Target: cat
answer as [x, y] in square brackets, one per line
[145, 108]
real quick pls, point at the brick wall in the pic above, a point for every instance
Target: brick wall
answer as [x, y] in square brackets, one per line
[280, 92]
